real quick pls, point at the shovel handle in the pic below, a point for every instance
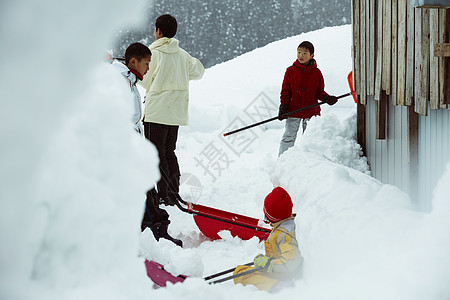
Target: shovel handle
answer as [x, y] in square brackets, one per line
[197, 213]
[237, 275]
[224, 272]
[285, 115]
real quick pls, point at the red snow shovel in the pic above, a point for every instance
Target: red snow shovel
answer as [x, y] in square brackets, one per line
[350, 84]
[211, 220]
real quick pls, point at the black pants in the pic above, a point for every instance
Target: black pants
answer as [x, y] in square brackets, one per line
[164, 137]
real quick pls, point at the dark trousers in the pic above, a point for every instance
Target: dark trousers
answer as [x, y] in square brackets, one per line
[164, 137]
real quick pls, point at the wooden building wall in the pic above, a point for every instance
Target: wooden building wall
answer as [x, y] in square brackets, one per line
[394, 53]
[401, 69]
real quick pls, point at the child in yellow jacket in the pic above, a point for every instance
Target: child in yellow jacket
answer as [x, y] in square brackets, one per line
[282, 261]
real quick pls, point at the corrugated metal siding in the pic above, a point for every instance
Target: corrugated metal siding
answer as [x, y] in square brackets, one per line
[434, 152]
[388, 159]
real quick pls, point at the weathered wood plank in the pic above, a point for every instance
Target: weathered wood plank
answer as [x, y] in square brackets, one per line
[371, 48]
[446, 60]
[363, 95]
[434, 61]
[361, 125]
[387, 39]
[381, 110]
[432, 6]
[413, 147]
[394, 74]
[379, 47]
[441, 49]
[401, 72]
[356, 48]
[425, 84]
[410, 54]
[419, 102]
[441, 39]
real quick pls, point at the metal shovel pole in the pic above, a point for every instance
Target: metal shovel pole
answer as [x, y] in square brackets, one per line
[285, 115]
[224, 272]
[237, 275]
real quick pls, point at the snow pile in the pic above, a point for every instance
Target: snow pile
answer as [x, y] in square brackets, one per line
[74, 175]
[335, 141]
[175, 260]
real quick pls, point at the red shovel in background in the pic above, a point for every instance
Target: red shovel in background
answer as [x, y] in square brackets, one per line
[350, 83]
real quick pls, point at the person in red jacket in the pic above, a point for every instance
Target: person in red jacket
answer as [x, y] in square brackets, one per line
[302, 86]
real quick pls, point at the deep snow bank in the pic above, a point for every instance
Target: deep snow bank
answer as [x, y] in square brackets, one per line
[73, 173]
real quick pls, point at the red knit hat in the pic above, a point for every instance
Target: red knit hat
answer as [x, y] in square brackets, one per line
[277, 205]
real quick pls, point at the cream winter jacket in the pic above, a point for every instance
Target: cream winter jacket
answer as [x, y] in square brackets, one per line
[167, 82]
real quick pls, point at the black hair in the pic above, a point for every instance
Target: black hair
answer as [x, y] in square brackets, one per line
[167, 24]
[138, 51]
[307, 45]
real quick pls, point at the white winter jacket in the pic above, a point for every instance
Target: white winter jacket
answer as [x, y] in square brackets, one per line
[136, 117]
[167, 82]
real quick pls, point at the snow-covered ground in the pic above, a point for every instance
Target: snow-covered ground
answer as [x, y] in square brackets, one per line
[73, 175]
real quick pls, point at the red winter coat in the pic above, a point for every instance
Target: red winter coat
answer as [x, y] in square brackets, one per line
[303, 86]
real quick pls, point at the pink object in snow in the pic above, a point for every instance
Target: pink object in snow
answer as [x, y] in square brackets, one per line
[160, 276]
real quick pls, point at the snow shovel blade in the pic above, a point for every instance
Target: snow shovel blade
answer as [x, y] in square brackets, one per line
[350, 84]
[210, 221]
[160, 276]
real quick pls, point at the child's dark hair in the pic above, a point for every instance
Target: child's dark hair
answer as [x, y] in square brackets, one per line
[138, 51]
[167, 24]
[307, 45]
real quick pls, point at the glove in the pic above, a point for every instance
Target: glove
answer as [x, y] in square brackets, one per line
[331, 100]
[263, 261]
[283, 110]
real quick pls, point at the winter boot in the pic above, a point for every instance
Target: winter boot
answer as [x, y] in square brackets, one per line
[164, 234]
[153, 215]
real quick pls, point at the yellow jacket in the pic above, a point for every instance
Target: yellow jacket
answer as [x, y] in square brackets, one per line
[167, 82]
[282, 246]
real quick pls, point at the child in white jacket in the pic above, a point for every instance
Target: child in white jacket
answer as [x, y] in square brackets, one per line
[137, 60]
